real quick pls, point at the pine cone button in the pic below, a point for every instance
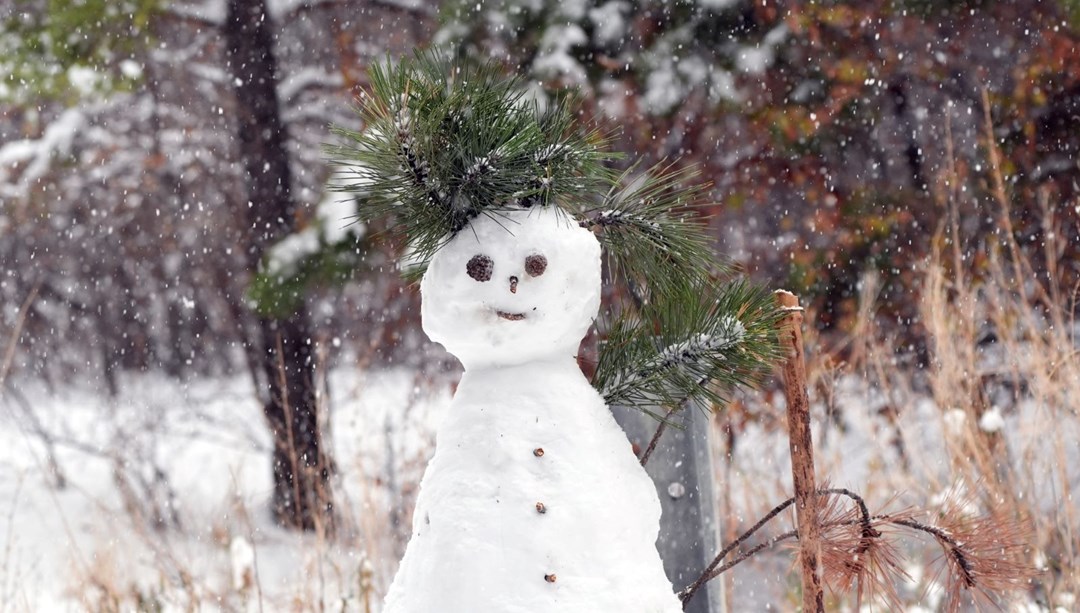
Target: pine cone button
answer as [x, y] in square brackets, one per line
[538, 452]
[540, 508]
[550, 578]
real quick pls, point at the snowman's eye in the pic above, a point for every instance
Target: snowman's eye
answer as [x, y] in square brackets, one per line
[535, 265]
[479, 267]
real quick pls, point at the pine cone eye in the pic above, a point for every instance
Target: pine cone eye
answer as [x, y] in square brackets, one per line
[480, 267]
[535, 265]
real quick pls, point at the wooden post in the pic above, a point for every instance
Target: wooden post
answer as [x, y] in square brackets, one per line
[802, 453]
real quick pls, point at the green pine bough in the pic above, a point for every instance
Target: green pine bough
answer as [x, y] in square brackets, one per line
[446, 141]
[692, 347]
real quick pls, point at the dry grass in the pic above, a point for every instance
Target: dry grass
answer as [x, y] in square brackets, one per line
[1001, 383]
[1004, 374]
[1005, 371]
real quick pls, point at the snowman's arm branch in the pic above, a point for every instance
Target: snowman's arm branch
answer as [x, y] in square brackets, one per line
[686, 594]
[659, 432]
[664, 424]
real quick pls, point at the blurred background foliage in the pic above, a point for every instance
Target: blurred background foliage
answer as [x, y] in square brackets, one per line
[68, 49]
[858, 154]
[828, 131]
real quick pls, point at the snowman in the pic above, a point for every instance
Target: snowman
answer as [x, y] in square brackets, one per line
[534, 501]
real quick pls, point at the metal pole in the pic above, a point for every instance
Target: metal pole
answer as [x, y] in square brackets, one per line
[681, 467]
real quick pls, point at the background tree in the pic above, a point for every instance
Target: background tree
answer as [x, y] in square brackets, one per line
[301, 466]
[824, 124]
[125, 200]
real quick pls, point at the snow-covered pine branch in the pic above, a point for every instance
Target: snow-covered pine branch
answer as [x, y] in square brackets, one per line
[480, 168]
[656, 380]
[415, 167]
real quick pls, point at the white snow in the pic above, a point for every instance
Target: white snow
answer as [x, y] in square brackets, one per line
[242, 557]
[663, 89]
[336, 213]
[335, 221]
[717, 4]
[571, 10]
[37, 154]
[287, 253]
[83, 78]
[554, 58]
[756, 59]
[65, 548]
[557, 307]
[131, 69]
[954, 421]
[214, 10]
[297, 81]
[610, 21]
[991, 420]
[208, 10]
[722, 86]
[612, 94]
[534, 501]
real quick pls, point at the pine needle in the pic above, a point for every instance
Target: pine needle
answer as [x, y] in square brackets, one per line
[649, 225]
[693, 346]
[445, 141]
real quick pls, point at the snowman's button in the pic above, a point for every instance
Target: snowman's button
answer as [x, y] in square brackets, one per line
[550, 578]
[538, 452]
[541, 508]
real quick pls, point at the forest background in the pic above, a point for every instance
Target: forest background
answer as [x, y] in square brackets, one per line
[911, 169]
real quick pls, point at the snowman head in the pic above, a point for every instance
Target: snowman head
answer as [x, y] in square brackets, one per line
[513, 287]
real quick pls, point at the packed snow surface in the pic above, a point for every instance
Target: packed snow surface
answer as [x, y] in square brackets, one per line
[534, 501]
[516, 438]
[485, 322]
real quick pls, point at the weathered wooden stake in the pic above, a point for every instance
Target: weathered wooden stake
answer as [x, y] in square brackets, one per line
[802, 453]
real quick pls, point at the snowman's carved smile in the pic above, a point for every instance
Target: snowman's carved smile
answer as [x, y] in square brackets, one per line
[510, 316]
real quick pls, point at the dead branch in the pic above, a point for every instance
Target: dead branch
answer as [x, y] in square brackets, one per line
[16, 333]
[656, 437]
[800, 440]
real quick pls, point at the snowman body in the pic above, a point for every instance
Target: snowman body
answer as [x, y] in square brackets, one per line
[534, 501]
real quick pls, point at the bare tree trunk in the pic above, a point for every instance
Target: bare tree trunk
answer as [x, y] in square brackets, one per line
[301, 469]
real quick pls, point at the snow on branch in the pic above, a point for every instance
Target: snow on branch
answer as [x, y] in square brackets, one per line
[290, 88]
[702, 352]
[34, 156]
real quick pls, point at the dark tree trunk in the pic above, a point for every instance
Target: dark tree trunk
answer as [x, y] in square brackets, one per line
[301, 469]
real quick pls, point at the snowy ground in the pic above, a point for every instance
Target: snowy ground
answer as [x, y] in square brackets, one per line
[159, 496]
[195, 456]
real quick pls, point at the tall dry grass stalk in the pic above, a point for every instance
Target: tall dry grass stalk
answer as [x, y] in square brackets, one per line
[1001, 372]
[1005, 373]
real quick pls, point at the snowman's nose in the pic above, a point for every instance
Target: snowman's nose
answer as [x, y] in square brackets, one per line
[513, 285]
